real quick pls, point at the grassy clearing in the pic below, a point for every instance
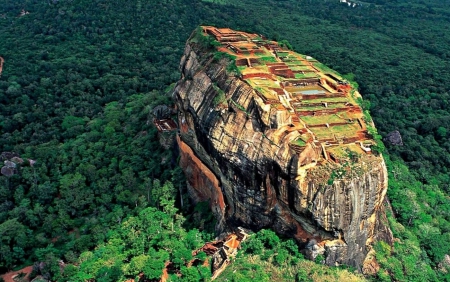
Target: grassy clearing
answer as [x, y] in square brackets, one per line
[241, 68]
[326, 69]
[327, 99]
[299, 142]
[220, 97]
[264, 54]
[283, 54]
[323, 119]
[298, 67]
[344, 151]
[269, 94]
[268, 59]
[257, 68]
[305, 75]
[255, 82]
[266, 257]
[322, 132]
[344, 130]
[253, 268]
[305, 107]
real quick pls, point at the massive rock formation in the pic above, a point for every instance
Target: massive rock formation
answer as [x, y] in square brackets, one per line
[272, 139]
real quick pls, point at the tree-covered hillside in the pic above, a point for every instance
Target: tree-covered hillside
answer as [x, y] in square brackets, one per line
[80, 79]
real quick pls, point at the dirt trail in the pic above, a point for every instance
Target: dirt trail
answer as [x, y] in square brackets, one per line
[8, 277]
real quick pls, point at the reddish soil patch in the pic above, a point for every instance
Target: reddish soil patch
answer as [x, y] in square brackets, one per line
[8, 277]
[232, 242]
[201, 178]
[1, 64]
[165, 274]
[140, 277]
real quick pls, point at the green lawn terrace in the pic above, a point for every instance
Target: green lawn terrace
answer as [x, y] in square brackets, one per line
[342, 154]
[268, 89]
[316, 111]
[308, 97]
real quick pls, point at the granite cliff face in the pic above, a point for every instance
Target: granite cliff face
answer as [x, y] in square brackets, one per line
[273, 141]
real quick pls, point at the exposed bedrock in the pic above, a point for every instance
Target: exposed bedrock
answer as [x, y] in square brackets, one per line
[236, 154]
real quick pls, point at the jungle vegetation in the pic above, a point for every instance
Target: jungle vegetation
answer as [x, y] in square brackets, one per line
[81, 77]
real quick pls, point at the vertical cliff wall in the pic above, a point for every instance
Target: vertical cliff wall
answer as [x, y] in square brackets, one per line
[278, 143]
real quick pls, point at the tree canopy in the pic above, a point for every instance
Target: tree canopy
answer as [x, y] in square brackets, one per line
[80, 80]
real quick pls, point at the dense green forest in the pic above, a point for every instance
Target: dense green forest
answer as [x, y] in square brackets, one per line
[80, 79]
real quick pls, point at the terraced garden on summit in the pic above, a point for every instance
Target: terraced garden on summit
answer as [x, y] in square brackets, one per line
[316, 97]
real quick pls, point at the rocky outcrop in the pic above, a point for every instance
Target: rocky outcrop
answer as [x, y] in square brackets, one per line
[238, 152]
[394, 138]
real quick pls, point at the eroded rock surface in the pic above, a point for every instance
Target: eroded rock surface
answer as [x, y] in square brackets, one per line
[291, 153]
[394, 138]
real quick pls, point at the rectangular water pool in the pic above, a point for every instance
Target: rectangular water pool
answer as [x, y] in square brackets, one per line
[311, 92]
